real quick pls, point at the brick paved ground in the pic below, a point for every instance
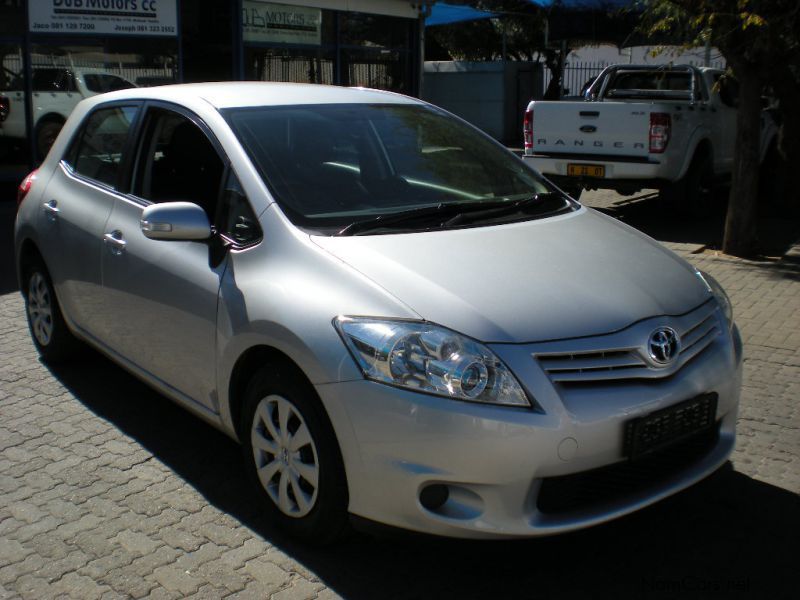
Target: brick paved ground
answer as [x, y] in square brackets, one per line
[109, 491]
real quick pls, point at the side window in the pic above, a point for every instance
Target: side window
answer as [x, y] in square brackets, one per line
[178, 162]
[100, 83]
[98, 151]
[237, 221]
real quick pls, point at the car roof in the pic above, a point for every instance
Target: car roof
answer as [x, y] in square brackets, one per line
[258, 93]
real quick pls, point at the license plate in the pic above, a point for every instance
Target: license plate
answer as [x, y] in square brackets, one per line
[668, 425]
[586, 170]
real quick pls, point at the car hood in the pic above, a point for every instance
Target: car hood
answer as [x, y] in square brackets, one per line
[567, 276]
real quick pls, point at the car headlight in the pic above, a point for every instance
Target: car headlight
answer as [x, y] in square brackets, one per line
[428, 358]
[713, 286]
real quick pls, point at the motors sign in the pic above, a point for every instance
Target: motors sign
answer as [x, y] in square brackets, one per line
[265, 22]
[106, 17]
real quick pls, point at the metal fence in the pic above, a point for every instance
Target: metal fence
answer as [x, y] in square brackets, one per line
[296, 69]
[578, 73]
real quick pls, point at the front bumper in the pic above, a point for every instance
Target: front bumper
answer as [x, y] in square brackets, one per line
[493, 460]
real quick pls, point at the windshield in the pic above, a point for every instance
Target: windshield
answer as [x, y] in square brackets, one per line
[330, 166]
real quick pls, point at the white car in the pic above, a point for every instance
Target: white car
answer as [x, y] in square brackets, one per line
[56, 92]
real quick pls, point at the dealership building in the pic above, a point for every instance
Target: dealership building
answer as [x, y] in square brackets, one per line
[55, 52]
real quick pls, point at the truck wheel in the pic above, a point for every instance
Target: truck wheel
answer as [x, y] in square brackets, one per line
[694, 193]
[699, 196]
[292, 456]
[46, 134]
[49, 331]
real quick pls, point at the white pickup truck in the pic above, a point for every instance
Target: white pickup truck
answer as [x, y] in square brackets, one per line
[56, 91]
[672, 128]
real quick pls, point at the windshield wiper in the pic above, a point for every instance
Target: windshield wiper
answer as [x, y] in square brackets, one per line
[455, 213]
[541, 200]
[404, 217]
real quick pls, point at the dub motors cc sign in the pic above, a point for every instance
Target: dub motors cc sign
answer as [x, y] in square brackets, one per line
[121, 17]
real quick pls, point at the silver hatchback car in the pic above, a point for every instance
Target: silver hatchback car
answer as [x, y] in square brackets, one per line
[394, 315]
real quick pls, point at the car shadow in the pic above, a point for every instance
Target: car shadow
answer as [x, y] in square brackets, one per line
[8, 211]
[648, 213]
[728, 536]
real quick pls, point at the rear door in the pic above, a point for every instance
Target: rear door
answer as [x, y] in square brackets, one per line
[165, 293]
[76, 205]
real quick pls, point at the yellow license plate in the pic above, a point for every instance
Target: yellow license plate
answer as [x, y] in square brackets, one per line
[586, 170]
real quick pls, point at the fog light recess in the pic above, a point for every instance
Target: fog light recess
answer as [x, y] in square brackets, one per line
[433, 496]
[451, 501]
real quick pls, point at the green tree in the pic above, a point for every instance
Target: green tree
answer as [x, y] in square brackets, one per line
[759, 40]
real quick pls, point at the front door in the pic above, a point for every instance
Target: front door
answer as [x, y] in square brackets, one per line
[165, 292]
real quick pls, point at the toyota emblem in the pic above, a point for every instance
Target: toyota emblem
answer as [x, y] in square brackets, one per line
[663, 345]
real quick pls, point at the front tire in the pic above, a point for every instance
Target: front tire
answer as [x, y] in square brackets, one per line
[292, 457]
[51, 336]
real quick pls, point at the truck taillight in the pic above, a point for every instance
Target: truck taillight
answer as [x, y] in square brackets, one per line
[5, 107]
[25, 187]
[527, 129]
[660, 126]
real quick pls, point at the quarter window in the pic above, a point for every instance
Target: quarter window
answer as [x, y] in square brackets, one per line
[237, 221]
[99, 150]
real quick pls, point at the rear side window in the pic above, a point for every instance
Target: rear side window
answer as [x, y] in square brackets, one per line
[99, 148]
[53, 80]
[105, 83]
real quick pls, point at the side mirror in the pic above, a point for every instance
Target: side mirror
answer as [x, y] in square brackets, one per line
[175, 221]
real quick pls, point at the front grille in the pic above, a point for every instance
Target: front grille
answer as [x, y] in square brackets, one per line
[615, 482]
[614, 357]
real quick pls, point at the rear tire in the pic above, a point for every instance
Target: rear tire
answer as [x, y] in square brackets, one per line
[51, 336]
[699, 198]
[292, 456]
[694, 193]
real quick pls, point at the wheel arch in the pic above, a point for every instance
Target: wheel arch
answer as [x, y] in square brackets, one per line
[700, 147]
[245, 367]
[51, 117]
[703, 149]
[28, 252]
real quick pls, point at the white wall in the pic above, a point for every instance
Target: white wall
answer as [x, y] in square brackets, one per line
[643, 55]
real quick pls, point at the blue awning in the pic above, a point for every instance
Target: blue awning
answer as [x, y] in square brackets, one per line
[444, 14]
[585, 4]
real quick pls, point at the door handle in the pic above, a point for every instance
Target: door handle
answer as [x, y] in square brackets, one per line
[51, 208]
[115, 242]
